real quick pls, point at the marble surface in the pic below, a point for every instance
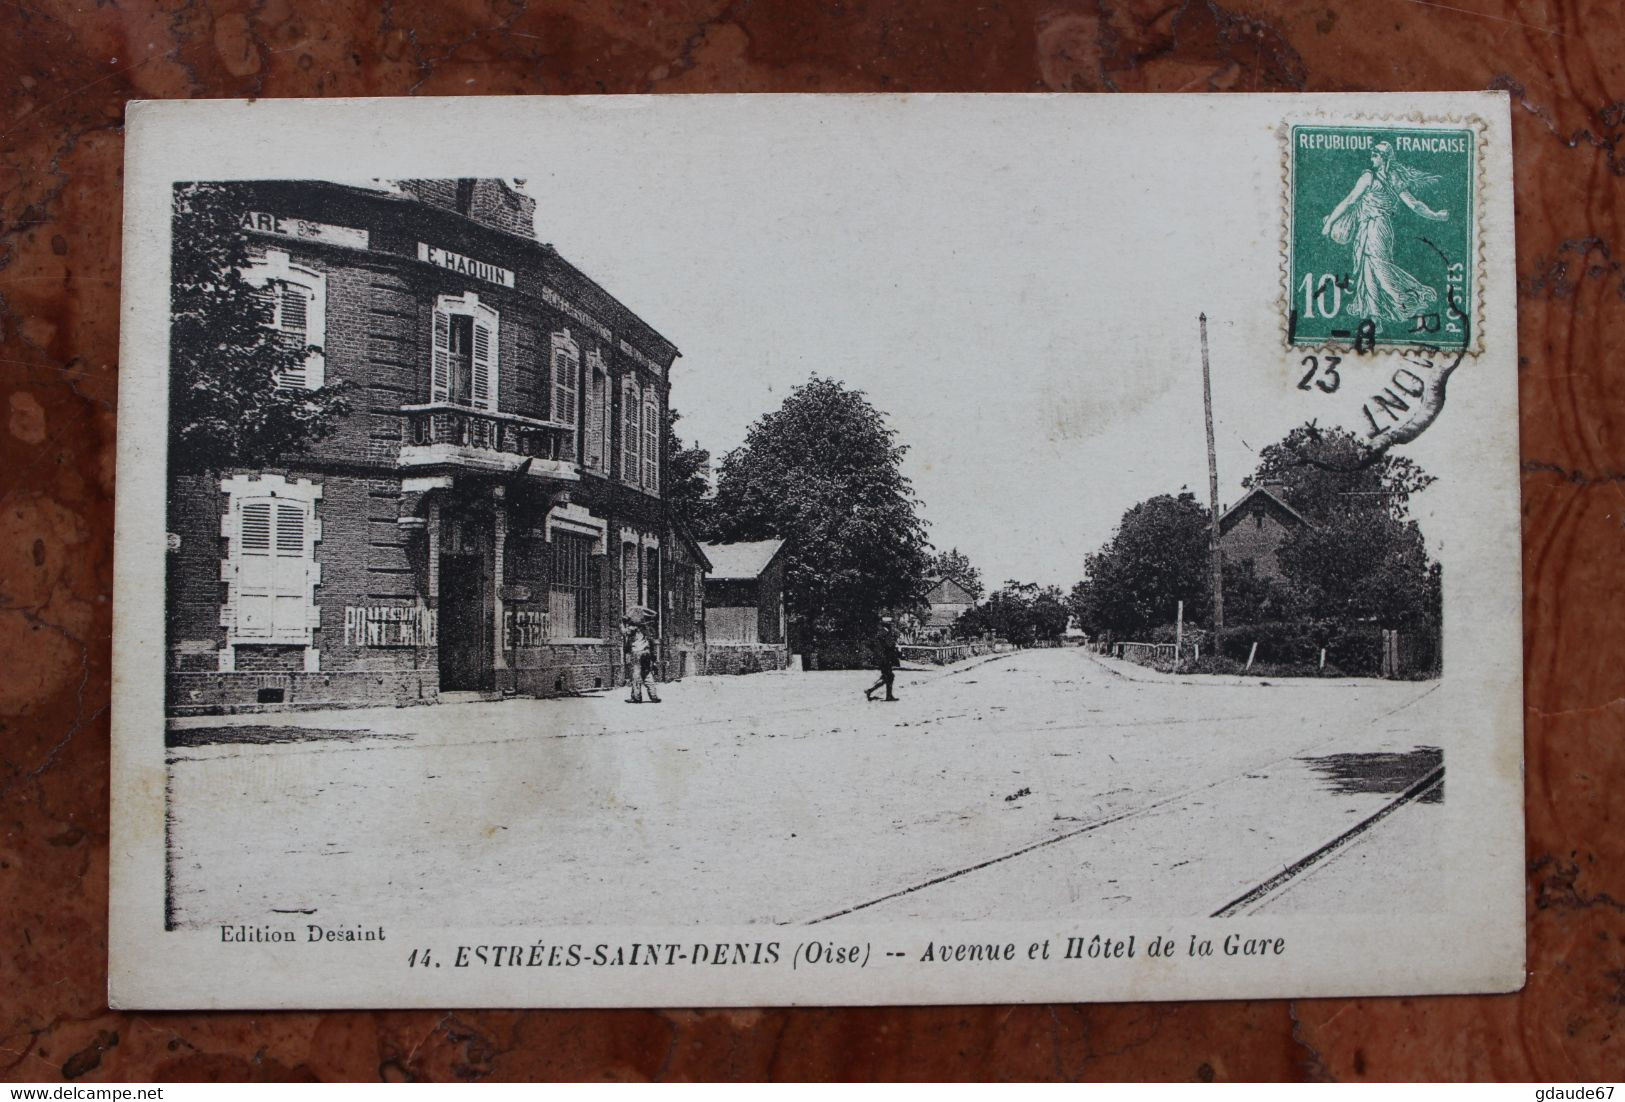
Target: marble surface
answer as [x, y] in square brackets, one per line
[66, 72]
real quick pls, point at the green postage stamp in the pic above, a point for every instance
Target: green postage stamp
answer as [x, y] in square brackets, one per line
[1380, 236]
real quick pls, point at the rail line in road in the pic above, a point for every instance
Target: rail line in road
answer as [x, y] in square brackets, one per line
[1256, 894]
[1054, 840]
[1261, 892]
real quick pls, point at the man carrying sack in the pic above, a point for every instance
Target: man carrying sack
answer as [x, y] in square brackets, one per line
[637, 649]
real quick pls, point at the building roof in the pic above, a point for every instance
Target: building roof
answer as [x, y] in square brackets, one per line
[576, 284]
[1259, 491]
[740, 561]
[947, 597]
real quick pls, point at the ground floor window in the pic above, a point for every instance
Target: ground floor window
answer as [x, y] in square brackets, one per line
[271, 568]
[572, 595]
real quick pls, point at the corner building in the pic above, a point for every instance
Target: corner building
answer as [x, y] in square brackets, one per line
[490, 507]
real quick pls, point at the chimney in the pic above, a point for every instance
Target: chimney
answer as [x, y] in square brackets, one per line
[488, 201]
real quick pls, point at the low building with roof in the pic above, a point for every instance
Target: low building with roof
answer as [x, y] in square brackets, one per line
[744, 606]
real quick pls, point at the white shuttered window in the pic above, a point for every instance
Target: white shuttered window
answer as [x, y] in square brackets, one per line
[464, 370]
[293, 301]
[272, 568]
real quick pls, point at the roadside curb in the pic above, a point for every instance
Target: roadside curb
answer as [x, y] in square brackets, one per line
[1133, 671]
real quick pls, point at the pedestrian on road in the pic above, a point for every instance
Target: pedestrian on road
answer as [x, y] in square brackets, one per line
[638, 652]
[886, 659]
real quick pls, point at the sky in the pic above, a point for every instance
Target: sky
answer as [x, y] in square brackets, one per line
[1017, 292]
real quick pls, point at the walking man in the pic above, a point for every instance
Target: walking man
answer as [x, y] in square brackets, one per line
[638, 652]
[886, 658]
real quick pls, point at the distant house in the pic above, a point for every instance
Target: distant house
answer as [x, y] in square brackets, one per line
[948, 601]
[744, 606]
[1253, 529]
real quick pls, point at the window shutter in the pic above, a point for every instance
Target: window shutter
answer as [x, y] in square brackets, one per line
[291, 591]
[294, 378]
[607, 414]
[612, 429]
[483, 389]
[629, 432]
[595, 420]
[265, 300]
[295, 317]
[255, 574]
[651, 441]
[440, 371]
[564, 388]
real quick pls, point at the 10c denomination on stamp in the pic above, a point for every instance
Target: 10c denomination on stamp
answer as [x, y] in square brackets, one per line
[1380, 236]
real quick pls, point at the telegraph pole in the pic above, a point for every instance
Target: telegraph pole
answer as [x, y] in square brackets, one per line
[1212, 492]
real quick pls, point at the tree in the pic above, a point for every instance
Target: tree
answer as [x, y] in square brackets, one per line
[957, 567]
[1362, 566]
[686, 487]
[1251, 597]
[1050, 613]
[225, 407]
[1022, 612]
[1157, 558]
[824, 473]
[1359, 557]
[1321, 471]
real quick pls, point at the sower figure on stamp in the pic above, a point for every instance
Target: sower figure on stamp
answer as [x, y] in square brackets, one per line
[637, 649]
[1382, 289]
[886, 659]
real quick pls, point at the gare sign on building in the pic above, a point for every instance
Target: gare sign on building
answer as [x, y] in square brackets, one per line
[301, 229]
[488, 510]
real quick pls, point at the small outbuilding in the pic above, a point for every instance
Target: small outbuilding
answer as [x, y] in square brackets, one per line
[744, 606]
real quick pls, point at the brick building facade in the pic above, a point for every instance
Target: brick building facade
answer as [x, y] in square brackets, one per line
[491, 506]
[1253, 529]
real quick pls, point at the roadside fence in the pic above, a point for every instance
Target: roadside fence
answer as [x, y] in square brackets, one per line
[952, 652]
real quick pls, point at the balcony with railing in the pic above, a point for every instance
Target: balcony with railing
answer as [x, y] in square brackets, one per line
[444, 435]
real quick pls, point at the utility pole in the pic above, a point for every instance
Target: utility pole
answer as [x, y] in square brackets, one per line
[1212, 493]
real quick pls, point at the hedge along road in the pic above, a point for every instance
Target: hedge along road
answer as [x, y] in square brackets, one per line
[998, 789]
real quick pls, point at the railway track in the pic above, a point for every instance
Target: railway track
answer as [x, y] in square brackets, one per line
[1248, 901]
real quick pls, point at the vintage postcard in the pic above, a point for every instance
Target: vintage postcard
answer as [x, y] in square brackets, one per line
[816, 550]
